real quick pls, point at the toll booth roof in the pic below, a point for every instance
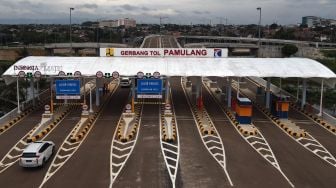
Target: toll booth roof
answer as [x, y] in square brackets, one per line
[174, 66]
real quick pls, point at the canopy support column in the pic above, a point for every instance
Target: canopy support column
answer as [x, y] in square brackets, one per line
[32, 90]
[297, 90]
[167, 90]
[97, 92]
[268, 92]
[228, 90]
[304, 92]
[51, 96]
[321, 100]
[18, 96]
[84, 91]
[133, 94]
[238, 87]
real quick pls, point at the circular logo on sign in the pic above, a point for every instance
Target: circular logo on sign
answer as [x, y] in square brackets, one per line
[115, 74]
[37, 74]
[156, 74]
[22, 74]
[99, 74]
[140, 75]
[77, 74]
[47, 107]
[61, 73]
[85, 107]
[128, 106]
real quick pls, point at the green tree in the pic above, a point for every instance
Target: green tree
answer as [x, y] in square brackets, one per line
[288, 50]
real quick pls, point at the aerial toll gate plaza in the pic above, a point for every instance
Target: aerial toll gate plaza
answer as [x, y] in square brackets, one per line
[166, 116]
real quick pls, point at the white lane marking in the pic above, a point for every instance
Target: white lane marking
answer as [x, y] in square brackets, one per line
[20, 146]
[301, 140]
[169, 147]
[66, 142]
[130, 144]
[222, 164]
[248, 139]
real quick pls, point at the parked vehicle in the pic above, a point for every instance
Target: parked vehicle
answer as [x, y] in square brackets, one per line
[125, 82]
[37, 154]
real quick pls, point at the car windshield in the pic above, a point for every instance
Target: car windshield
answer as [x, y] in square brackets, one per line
[28, 155]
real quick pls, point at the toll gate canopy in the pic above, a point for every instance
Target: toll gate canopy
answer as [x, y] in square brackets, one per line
[174, 66]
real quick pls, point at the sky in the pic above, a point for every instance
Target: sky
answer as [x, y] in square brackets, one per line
[283, 12]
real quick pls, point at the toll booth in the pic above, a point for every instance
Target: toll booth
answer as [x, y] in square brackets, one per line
[244, 110]
[280, 106]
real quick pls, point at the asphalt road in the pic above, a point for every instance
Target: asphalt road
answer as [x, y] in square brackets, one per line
[246, 167]
[146, 166]
[301, 166]
[90, 165]
[197, 167]
[16, 176]
[317, 131]
[15, 133]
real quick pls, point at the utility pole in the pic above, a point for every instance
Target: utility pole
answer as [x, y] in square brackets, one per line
[259, 25]
[70, 30]
[161, 18]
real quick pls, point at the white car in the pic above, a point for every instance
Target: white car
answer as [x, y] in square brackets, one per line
[37, 153]
[125, 82]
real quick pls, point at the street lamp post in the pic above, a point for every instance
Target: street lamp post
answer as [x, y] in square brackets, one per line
[70, 30]
[259, 34]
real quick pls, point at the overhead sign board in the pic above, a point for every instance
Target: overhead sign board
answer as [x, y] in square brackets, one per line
[149, 86]
[164, 52]
[67, 87]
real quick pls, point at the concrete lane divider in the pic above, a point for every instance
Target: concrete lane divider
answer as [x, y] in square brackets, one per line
[46, 124]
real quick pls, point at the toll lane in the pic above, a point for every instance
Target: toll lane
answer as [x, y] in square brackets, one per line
[240, 155]
[10, 137]
[317, 131]
[301, 166]
[16, 176]
[89, 166]
[323, 136]
[146, 167]
[197, 167]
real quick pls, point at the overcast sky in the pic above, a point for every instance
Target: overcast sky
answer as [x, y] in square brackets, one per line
[177, 11]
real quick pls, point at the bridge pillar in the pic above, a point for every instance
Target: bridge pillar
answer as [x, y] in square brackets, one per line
[97, 52]
[268, 92]
[304, 92]
[76, 52]
[228, 90]
[50, 51]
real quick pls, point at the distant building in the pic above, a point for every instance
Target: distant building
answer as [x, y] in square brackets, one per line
[313, 21]
[126, 22]
[108, 23]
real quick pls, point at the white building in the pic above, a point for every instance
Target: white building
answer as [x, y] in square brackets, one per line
[313, 21]
[126, 22]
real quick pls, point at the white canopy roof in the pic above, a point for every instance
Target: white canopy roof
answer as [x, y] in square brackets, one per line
[222, 67]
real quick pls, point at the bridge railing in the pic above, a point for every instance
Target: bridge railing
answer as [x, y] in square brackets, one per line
[23, 106]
